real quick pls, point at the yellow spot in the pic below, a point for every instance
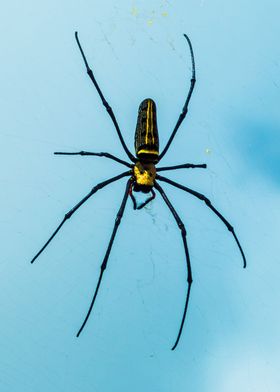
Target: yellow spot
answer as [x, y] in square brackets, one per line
[164, 14]
[134, 11]
[150, 22]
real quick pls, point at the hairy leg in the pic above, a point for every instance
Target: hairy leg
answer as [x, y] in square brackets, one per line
[96, 154]
[77, 206]
[105, 260]
[104, 102]
[209, 204]
[184, 237]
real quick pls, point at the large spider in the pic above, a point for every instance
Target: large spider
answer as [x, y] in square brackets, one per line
[143, 177]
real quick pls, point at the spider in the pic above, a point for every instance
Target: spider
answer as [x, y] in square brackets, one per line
[143, 177]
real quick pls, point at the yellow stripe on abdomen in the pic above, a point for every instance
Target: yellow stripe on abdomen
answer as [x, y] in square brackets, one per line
[149, 124]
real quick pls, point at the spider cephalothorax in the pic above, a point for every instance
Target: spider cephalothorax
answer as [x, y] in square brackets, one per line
[143, 180]
[144, 174]
[143, 177]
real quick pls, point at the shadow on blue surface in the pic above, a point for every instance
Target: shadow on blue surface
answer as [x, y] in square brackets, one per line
[259, 144]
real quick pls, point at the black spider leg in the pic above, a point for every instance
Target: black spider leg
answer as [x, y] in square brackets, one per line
[104, 263]
[147, 201]
[134, 202]
[183, 166]
[209, 204]
[71, 212]
[132, 196]
[96, 154]
[105, 103]
[184, 237]
[185, 108]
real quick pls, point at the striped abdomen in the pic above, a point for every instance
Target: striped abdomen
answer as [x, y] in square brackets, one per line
[146, 134]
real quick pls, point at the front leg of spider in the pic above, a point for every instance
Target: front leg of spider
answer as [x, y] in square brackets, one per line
[105, 260]
[77, 206]
[189, 269]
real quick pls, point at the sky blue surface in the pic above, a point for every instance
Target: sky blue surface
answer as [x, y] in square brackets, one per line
[231, 339]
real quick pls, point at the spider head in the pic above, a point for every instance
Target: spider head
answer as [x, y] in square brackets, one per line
[144, 176]
[142, 188]
[146, 133]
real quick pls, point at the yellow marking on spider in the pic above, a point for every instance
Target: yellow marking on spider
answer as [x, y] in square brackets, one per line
[152, 125]
[144, 173]
[144, 151]
[149, 124]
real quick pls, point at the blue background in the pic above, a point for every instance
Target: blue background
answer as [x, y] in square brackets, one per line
[231, 337]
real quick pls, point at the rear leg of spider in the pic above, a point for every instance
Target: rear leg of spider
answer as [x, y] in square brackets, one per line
[104, 101]
[189, 270]
[186, 105]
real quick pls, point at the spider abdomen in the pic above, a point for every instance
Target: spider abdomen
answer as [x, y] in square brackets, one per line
[146, 134]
